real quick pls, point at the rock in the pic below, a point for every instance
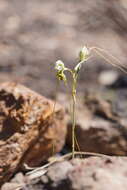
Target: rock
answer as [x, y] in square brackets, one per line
[108, 78]
[112, 79]
[81, 174]
[16, 183]
[29, 128]
[101, 123]
[32, 39]
[121, 82]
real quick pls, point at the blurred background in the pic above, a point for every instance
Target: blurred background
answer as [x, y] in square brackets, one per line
[34, 34]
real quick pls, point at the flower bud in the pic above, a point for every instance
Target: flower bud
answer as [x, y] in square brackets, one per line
[84, 53]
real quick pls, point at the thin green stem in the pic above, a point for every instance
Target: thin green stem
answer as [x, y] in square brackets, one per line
[53, 114]
[73, 113]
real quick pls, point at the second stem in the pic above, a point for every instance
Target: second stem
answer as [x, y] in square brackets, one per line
[73, 114]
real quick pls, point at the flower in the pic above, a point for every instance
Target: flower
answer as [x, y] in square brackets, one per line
[59, 66]
[84, 53]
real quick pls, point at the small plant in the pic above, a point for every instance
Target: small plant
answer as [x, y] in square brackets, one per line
[84, 54]
[60, 67]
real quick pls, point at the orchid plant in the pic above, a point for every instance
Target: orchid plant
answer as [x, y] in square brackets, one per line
[61, 69]
[60, 73]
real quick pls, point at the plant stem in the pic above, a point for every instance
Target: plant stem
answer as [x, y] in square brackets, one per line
[73, 114]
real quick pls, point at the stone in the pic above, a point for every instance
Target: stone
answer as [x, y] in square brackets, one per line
[108, 78]
[32, 39]
[30, 128]
[16, 183]
[101, 122]
[81, 174]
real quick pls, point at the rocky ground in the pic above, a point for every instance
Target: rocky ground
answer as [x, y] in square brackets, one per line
[33, 35]
[92, 173]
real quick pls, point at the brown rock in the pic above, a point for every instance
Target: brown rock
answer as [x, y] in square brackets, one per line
[31, 38]
[101, 124]
[28, 128]
[93, 173]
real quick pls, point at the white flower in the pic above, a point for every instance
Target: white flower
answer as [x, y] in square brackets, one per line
[84, 53]
[59, 65]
